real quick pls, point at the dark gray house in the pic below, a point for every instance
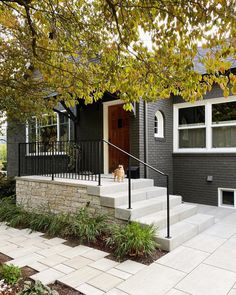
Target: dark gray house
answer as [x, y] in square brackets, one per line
[194, 143]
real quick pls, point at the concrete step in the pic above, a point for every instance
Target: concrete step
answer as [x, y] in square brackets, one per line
[184, 230]
[146, 207]
[177, 214]
[121, 198]
[111, 187]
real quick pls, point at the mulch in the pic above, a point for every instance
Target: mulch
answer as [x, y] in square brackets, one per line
[100, 244]
[4, 258]
[63, 289]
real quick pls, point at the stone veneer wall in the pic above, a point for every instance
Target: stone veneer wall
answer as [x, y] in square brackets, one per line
[58, 197]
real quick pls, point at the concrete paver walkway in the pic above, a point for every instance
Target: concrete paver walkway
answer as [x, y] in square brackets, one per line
[205, 265]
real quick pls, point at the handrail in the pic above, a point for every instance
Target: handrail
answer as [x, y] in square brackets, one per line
[92, 162]
[133, 157]
[152, 168]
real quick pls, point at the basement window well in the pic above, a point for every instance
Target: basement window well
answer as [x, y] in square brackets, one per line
[227, 197]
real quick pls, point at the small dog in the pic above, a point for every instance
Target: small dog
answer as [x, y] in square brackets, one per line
[119, 173]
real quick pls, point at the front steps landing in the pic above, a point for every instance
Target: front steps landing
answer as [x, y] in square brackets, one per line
[149, 207]
[148, 204]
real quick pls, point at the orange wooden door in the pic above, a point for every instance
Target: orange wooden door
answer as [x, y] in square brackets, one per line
[118, 124]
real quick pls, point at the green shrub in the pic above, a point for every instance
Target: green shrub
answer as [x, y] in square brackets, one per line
[9, 210]
[3, 153]
[37, 288]
[40, 221]
[10, 274]
[14, 215]
[4, 165]
[60, 225]
[133, 239]
[80, 225]
[7, 187]
[86, 227]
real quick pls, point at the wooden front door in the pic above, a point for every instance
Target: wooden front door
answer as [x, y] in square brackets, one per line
[118, 124]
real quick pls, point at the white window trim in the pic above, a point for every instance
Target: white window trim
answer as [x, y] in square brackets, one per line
[58, 136]
[160, 125]
[220, 189]
[208, 125]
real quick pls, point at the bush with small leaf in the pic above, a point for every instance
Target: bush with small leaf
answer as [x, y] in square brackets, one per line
[133, 240]
[37, 288]
[10, 274]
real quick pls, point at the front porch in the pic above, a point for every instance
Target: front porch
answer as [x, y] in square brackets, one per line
[149, 204]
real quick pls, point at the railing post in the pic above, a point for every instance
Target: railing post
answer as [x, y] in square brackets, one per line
[53, 160]
[99, 162]
[129, 184]
[168, 207]
[19, 155]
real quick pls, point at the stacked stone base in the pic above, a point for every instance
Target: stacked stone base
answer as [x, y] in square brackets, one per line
[58, 197]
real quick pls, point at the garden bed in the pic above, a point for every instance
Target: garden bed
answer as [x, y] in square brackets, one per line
[26, 273]
[131, 241]
[64, 289]
[100, 244]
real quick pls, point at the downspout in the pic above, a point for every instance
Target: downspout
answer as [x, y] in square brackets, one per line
[145, 120]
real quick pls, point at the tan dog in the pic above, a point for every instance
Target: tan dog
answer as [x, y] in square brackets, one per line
[119, 173]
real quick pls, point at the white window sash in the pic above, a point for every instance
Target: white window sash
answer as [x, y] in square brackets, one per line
[37, 136]
[159, 130]
[209, 125]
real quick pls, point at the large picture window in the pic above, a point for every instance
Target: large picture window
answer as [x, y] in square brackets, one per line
[48, 129]
[206, 126]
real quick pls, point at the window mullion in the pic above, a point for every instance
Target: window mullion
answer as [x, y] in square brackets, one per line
[208, 119]
[176, 128]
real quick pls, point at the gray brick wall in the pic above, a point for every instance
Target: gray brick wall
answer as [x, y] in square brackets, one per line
[160, 149]
[15, 135]
[191, 171]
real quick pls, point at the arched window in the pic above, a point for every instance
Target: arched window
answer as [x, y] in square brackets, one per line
[158, 125]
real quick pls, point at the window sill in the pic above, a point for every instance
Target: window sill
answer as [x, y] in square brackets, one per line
[205, 151]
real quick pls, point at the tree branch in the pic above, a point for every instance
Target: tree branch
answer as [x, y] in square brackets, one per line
[30, 23]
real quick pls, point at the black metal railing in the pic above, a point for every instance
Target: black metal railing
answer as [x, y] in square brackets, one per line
[61, 159]
[82, 160]
[153, 169]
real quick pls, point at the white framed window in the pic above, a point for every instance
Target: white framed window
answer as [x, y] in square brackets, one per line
[227, 197]
[159, 125]
[40, 133]
[224, 125]
[205, 126]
